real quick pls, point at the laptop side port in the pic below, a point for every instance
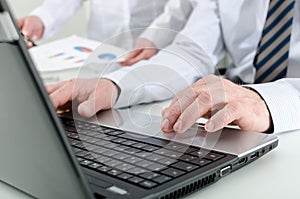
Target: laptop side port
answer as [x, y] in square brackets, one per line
[254, 155]
[225, 171]
[242, 161]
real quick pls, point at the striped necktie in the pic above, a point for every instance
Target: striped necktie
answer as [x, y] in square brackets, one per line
[272, 54]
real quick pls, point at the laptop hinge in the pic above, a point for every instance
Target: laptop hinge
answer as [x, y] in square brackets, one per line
[8, 32]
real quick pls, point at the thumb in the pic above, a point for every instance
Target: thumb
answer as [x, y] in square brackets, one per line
[88, 108]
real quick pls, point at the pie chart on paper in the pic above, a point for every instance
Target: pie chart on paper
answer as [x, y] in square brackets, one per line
[107, 56]
[83, 49]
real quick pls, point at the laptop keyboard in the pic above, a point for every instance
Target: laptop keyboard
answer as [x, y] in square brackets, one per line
[141, 160]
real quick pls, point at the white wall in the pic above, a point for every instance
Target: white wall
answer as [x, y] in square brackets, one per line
[77, 25]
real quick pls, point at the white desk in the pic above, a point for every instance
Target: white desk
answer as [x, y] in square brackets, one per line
[275, 175]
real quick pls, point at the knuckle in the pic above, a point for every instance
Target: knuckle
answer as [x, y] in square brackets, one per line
[232, 111]
[205, 99]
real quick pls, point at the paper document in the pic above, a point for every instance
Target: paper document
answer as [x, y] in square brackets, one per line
[72, 52]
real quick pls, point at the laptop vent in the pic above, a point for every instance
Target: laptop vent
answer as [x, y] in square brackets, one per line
[194, 186]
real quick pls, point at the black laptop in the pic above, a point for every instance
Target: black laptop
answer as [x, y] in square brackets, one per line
[116, 154]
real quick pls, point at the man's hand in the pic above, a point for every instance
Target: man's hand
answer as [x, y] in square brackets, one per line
[92, 95]
[222, 101]
[32, 27]
[143, 50]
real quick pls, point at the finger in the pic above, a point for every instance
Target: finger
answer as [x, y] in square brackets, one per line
[171, 114]
[62, 95]
[129, 57]
[28, 44]
[101, 98]
[89, 107]
[51, 88]
[222, 118]
[200, 107]
[20, 23]
[143, 55]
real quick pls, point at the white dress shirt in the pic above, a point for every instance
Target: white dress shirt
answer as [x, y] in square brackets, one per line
[164, 29]
[214, 28]
[107, 18]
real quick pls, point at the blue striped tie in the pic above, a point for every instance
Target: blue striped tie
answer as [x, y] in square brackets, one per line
[272, 54]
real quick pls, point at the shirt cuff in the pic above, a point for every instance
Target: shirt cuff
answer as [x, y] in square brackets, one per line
[283, 103]
[160, 37]
[47, 20]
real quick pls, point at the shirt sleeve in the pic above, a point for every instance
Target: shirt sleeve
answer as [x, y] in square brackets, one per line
[283, 100]
[193, 54]
[55, 13]
[164, 29]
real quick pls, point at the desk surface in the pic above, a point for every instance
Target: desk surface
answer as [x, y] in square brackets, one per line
[273, 176]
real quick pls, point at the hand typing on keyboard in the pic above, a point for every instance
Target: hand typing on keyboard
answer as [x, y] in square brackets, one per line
[93, 95]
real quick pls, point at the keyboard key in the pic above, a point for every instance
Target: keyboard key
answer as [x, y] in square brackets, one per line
[176, 147]
[139, 145]
[102, 159]
[95, 165]
[144, 163]
[86, 162]
[214, 156]
[132, 150]
[136, 180]
[114, 172]
[148, 184]
[143, 154]
[129, 143]
[121, 156]
[156, 167]
[110, 153]
[201, 162]
[125, 176]
[173, 172]
[104, 168]
[133, 160]
[137, 171]
[113, 163]
[155, 157]
[121, 147]
[167, 161]
[118, 140]
[115, 132]
[150, 148]
[124, 167]
[185, 166]
[162, 179]
[188, 158]
[149, 175]
[200, 153]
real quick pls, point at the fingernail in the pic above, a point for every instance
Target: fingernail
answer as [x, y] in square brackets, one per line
[85, 110]
[29, 44]
[24, 33]
[165, 125]
[178, 126]
[34, 38]
[210, 126]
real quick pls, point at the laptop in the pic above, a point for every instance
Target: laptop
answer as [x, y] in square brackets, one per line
[116, 154]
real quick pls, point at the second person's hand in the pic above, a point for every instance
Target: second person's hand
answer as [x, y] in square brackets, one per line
[143, 50]
[32, 28]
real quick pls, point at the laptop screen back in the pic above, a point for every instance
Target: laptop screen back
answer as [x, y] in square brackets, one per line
[33, 156]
